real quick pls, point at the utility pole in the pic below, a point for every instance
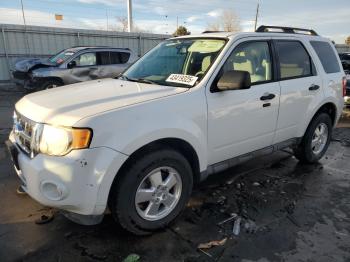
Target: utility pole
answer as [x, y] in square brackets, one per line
[107, 19]
[129, 16]
[25, 28]
[24, 18]
[177, 23]
[256, 16]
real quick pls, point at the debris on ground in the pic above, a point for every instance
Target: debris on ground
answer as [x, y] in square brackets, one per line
[237, 226]
[21, 191]
[212, 244]
[233, 216]
[132, 258]
[44, 219]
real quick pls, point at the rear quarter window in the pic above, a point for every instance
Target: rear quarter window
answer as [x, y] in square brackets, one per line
[327, 56]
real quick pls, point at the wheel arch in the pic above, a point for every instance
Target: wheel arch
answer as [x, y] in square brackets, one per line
[328, 107]
[180, 145]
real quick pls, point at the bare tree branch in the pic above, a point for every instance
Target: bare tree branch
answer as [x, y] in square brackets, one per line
[228, 21]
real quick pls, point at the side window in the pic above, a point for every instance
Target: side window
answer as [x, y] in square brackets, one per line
[294, 61]
[119, 57]
[115, 58]
[87, 59]
[103, 58]
[253, 57]
[124, 57]
[326, 55]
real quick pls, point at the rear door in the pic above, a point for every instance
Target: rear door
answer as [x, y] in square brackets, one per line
[119, 62]
[301, 86]
[332, 70]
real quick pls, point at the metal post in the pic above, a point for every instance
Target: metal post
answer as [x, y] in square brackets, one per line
[140, 48]
[78, 38]
[129, 16]
[6, 52]
[256, 16]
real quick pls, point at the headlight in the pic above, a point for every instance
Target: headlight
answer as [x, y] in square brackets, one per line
[59, 141]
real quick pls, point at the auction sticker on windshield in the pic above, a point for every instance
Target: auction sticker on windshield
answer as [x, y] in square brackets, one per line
[182, 79]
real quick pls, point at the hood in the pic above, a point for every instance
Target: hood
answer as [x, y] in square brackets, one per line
[26, 64]
[68, 104]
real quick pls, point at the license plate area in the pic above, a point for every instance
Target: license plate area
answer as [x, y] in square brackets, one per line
[13, 153]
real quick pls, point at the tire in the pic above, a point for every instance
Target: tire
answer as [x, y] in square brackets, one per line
[306, 152]
[142, 175]
[49, 84]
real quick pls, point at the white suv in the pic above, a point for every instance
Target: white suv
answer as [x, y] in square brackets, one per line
[191, 107]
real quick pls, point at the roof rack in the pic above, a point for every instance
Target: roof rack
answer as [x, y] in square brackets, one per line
[289, 30]
[208, 32]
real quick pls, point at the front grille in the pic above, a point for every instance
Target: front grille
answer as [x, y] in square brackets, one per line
[23, 129]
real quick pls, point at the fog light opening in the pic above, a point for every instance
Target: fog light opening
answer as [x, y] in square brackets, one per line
[53, 191]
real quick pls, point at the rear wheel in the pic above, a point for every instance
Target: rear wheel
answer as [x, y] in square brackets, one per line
[316, 139]
[152, 192]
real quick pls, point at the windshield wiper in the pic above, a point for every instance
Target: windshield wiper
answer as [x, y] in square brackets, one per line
[140, 80]
[146, 81]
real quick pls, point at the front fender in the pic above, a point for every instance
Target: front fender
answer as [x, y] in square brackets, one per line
[132, 127]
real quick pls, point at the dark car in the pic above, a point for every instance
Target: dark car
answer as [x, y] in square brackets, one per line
[72, 65]
[345, 60]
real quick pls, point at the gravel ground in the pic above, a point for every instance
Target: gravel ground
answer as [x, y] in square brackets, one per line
[287, 212]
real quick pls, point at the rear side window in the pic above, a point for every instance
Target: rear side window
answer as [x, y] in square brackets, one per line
[103, 58]
[326, 55]
[119, 57]
[294, 61]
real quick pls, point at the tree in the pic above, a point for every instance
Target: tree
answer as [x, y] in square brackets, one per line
[213, 26]
[123, 22]
[122, 26]
[181, 30]
[347, 40]
[228, 21]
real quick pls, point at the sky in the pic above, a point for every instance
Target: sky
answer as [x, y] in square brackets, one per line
[327, 18]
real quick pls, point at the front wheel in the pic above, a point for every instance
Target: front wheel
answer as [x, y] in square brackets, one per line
[49, 84]
[152, 192]
[316, 140]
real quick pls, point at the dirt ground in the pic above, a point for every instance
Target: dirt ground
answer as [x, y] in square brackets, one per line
[287, 212]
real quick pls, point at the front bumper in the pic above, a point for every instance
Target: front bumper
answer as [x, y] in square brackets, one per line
[78, 182]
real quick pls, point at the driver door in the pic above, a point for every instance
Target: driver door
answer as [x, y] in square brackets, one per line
[242, 121]
[85, 69]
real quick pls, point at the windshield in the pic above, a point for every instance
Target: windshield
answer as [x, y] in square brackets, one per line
[176, 62]
[61, 57]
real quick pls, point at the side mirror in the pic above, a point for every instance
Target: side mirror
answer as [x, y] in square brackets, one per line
[72, 64]
[234, 80]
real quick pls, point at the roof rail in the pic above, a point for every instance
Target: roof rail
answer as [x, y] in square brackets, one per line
[289, 30]
[208, 32]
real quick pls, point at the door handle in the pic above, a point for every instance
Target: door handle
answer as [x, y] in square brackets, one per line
[267, 97]
[314, 87]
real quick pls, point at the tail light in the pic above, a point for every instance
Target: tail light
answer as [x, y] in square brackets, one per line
[344, 86]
